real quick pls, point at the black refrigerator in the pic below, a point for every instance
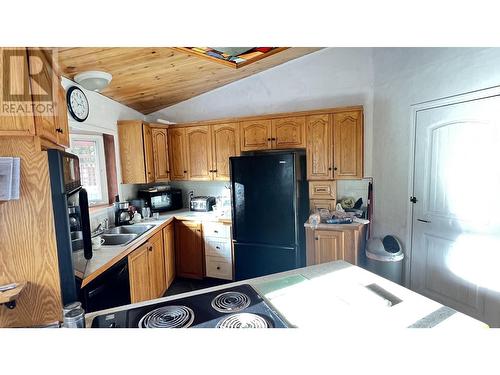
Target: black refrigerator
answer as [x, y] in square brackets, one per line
[270, 201]
[71, 217]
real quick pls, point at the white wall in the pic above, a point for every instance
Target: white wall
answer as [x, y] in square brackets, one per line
[331, 77]
[103, 116]
[402, 77]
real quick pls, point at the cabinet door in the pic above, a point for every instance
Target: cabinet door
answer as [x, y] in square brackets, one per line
[160, 154]
[131, 140]
[16, 123]
[319, 148]
[39, 62]
[225, 143]
[177, 153]
[255, 135]
[189, 254]
[138, 265]
[199, 153]
[328, 245]
[169, 253]
[61, 109]
[148, 153]
[289, 132]
[156, 260]
[348, 145]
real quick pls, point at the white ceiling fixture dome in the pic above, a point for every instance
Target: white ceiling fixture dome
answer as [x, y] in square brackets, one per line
[93, 80]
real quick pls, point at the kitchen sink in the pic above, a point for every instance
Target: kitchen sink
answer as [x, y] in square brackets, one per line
[118, 239]
[129, 229]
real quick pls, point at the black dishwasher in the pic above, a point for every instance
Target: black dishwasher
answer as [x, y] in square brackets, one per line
[111, 289]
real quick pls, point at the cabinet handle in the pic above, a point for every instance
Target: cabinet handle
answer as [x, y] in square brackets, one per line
[273, 139]
[215, 170]
[216, 231]
[334, 168]
[198, 230]
[321, 190]
[217, 247]
[218, 267]
[330, 168]
[59, 130]
[185, 171]
[316, 238]
[268, 139]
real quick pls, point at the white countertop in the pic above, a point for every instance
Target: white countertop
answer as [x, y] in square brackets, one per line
[106, 256]
[334, 294]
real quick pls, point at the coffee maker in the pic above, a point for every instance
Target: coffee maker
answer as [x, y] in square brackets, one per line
[122, 213]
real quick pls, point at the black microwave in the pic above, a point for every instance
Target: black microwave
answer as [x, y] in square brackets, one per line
[162, 200]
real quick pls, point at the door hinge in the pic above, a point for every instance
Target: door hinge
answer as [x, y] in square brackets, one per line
[413, 199]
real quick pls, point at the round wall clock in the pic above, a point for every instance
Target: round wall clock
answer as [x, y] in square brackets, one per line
[78, 105]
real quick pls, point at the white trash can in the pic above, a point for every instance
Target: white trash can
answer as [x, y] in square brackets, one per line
[385, 258]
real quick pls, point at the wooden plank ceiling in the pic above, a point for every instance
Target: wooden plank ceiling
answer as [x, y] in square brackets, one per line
[149, 79]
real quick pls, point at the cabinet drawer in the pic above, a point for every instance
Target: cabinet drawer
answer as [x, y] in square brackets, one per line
[322, 189]
[218, 247]
[219, 268]
[216, 230]
[315, 204]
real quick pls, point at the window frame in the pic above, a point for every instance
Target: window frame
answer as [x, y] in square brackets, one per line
[101, 158]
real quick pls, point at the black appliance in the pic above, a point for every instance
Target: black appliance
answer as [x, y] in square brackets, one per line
[270, 204]
[111, 289]
[122, 213]
[237, 307]
[202, 203]
[159, 200]
[69, 200]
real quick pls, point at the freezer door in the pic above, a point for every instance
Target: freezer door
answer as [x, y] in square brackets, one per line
[254, 260]
[263, 199]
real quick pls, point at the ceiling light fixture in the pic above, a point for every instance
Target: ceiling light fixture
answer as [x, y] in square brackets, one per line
[93, 80]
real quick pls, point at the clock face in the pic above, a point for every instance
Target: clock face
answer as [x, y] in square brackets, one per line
[78, 104]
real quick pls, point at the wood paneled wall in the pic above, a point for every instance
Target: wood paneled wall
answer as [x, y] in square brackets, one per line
[27, 239]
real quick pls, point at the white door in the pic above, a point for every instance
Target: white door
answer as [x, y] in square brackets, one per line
[456, 219]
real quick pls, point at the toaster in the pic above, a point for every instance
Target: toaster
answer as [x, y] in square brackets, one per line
[202, 203]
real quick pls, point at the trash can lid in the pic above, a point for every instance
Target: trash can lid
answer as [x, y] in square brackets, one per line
[375, 250]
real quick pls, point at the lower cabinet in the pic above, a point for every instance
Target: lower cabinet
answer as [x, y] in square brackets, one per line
[218, 250]
[169, 252]
[338, 243]
[147, 270]
[189, 251]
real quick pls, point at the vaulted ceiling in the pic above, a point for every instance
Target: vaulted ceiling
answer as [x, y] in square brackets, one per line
[149, 79]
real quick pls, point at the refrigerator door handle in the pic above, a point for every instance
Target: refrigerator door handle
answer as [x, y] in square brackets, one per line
[84, 213]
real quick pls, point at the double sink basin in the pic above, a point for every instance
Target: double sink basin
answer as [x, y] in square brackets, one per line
[118, 236]
[124, 234]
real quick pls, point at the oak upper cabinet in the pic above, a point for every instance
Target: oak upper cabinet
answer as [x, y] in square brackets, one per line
[225, 143]
[289, 132]
[169, 253]
[255, 135]
[319, 147]
[199, 153]
[136, 152]
[61, 119]
[189, 251]
[348, 145]
[177, 153]
[16, 123]
[138, 264]
[160, 154]
[156, 261]
[38, 61]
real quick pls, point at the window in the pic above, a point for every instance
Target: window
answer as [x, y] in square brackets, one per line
[90, 150]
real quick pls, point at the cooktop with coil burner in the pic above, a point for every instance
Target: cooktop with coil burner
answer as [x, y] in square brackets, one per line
[237, 307]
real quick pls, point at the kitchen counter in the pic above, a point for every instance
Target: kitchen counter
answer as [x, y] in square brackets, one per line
[107, 256]
[335, 295]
